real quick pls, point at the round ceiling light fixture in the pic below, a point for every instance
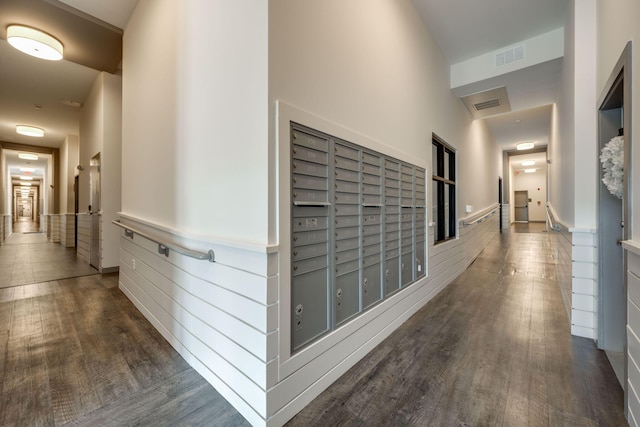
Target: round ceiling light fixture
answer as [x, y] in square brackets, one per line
[525, 146]
[30, 131]
[34, 42]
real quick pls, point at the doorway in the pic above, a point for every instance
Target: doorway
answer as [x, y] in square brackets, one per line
[613, 220]
[500, 201]
[94, 211]
[521, 205]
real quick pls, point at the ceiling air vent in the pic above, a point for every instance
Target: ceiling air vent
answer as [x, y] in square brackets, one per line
[487, 103]
[492, 103]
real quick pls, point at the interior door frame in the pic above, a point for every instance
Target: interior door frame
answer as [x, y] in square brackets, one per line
[617, 92]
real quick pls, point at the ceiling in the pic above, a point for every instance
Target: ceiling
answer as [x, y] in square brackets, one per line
[465, 29]
[48, 94]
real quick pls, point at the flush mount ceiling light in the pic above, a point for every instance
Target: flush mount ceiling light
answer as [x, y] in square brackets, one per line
[524, 146]
[27, 156]
[525, 163]
[30, 131]
[26, 178]
[529, 170]
[34, 42]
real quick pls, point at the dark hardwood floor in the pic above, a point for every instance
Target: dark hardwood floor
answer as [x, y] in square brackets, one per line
[494, 348]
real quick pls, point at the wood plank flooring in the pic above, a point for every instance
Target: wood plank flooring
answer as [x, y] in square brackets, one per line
[77, 352]
[494, 348]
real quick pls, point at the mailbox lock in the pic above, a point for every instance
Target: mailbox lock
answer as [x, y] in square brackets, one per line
[295, 253]
[386, 273]
[295, 151]
[295, 268]
[339, 293]
[365, 281]
[295, 135]
[299, 309]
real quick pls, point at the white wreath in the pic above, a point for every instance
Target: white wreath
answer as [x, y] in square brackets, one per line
[612, 159]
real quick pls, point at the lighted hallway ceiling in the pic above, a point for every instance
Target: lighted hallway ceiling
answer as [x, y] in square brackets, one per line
[466, 31]
[50, 94]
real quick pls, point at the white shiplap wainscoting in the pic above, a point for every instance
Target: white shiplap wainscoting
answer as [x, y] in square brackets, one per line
[562, 253]
[67, 230]
[221, 317]
[476, 231]
[632, 249]
[8, 226]
[84, 236]
[584, 299]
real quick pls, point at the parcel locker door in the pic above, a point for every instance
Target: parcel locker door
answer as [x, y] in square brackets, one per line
[371, 286]
[391, 275]
[347, 296]
[420, 262]
[309, 308]
[406, 265]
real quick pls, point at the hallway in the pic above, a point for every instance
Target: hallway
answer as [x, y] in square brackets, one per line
[28, 257]
[493, 348]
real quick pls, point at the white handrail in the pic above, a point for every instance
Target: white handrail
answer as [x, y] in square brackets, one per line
[478, 219]
[163, 248]
[552, 224]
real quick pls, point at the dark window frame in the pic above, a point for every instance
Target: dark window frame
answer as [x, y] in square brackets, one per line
[445, 178]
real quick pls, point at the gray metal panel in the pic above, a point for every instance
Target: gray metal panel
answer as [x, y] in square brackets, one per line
[309, 155]
[344, 151]
[391, 166]
[391, 183]
[347, 210]
[347, 267]
[344, 245]
[347, 233]
[347, 187]
[371, 285]
[310, 182]
[370, 240]
[310, 141]
[371, 179]
[392, 275]
[301, 267]
[420, 262]
[370, 158]
[310, 223]
[309, 251]
[347, 296]
[309, 237]
[371, 169]
[347, 198]
[347, 221]
[310, 196]
[308, 168]
[309, 307]
[347, 175]
[406, 267]
[348, 255]
[348, 164]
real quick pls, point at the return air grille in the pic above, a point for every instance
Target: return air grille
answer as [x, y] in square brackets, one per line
[487, 103]
[492, 103]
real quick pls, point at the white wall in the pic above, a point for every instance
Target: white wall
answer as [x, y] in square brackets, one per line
[618, 24]
[536, 185]
[100, 132]
[585, 114]
[195, 156]
[200, 161]
[68, 161]
[371, 73]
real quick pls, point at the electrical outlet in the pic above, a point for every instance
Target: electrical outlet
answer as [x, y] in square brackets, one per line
[133, 264]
